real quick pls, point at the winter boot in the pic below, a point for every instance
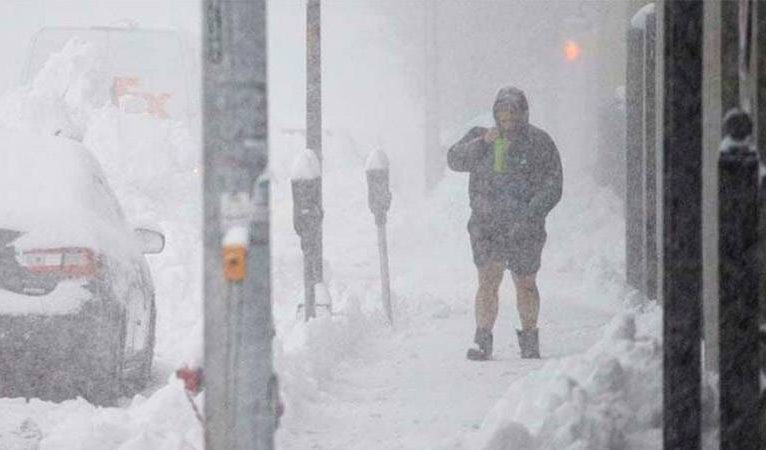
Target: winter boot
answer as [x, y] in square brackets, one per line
[529, 343]
[483, 339]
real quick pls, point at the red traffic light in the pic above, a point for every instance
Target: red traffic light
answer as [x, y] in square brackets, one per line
[572, 50]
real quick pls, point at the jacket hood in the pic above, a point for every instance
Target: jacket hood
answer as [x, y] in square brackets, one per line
[515, 98]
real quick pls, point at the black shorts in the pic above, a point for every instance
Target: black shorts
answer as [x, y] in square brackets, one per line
[520, 251]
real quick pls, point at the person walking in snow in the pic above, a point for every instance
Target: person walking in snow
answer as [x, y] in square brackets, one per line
[515, 180]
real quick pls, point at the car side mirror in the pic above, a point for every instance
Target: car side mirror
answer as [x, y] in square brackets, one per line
[149, 241]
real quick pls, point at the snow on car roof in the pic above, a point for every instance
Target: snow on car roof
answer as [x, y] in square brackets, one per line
[42, 171]
[53, 189]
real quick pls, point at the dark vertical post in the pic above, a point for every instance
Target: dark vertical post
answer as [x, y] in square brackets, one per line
[650, 156]
[240, 386]
[739, 280]
[760, 73]
[314, 135]
[760, 133]
[634, 203]
[682, 222]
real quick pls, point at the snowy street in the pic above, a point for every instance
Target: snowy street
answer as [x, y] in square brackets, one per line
[349, 381]
[133, 97]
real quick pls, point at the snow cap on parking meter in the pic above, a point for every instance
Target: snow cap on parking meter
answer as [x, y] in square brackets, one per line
[306, 179]
[305, 166]
[378, 193]
[376, 160]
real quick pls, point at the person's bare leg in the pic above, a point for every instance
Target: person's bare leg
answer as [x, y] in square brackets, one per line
[528, 305]
[490, 277]
[527, 300]
[486, 306]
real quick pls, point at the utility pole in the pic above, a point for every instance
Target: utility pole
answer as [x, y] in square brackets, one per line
[314, 135]
[240, 386]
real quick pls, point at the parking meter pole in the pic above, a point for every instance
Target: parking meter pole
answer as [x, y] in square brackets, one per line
[309, 294]
[240, 386]
[739, 273]
[384, 274]
[379, 199]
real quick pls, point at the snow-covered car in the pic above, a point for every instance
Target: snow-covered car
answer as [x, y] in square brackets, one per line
[77, 311]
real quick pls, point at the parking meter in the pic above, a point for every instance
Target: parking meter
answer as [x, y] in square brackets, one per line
[378, 193]
[306, 182]
[307, 208]
[379, 199]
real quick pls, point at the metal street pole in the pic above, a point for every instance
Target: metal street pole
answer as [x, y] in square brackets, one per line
[682, 223]
[240, 385]
[314, 136]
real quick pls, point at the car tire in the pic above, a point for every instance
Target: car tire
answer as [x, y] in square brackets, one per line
[139, 380]
[104, 384]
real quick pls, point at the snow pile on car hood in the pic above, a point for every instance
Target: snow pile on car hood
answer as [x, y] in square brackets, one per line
[609, 397]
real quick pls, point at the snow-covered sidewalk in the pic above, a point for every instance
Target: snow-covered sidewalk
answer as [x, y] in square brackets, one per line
[413, 388]
[410, 386]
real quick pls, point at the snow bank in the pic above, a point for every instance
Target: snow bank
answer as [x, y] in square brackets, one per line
[307, 354]
[162, 421]
[609, 397]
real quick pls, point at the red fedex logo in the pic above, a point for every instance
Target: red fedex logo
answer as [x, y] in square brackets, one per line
[155, 103]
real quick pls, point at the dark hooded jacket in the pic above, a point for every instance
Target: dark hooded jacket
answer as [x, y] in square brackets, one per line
[528, 188]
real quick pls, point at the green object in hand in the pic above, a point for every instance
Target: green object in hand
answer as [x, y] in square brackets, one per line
[501, 154]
